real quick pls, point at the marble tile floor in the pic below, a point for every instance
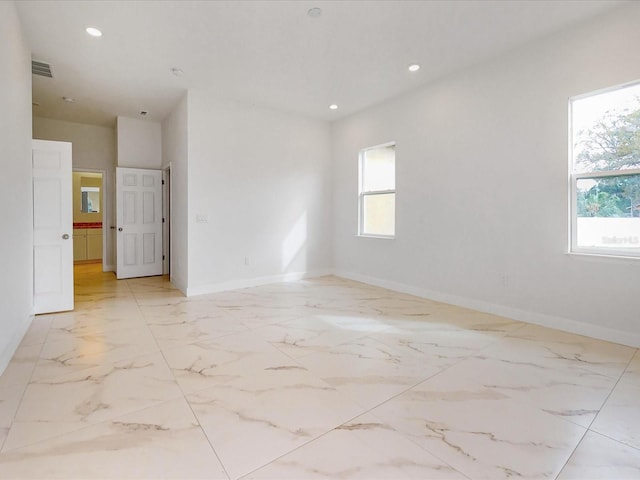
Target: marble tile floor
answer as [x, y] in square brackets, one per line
[317, 379]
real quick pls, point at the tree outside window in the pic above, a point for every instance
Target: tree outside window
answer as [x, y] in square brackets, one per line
[605, 175]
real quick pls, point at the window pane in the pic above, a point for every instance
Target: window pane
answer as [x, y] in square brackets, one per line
[608, 210]
[379, 169]
[606, 130]
[379, 214]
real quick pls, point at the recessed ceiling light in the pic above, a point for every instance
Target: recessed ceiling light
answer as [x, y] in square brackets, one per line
[414, 67]
[314, 12]
[94, 32]
[178, 72]
[333, 106]
[68, 99]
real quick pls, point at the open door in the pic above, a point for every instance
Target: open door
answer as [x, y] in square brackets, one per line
[52, 227]
[139, 222]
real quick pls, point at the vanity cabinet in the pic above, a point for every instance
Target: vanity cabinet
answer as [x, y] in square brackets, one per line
[79, 244]
[87, 244]
[94, 243]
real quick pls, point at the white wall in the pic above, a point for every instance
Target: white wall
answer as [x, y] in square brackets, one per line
[139, 143]
[94, 147]
[175, 153]
[262, 180]
[16, 205]
[482, 186]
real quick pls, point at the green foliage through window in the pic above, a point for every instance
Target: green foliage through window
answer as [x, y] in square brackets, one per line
[617, 196]
[610, 143]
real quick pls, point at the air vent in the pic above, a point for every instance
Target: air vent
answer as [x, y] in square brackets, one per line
[41, 68]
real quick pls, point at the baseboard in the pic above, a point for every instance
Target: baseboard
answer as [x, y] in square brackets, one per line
[10, 349]
[108, 268]
[559, 323]
[254, 282]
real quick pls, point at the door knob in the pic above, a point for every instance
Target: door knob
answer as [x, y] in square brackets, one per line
[119, 229]
[65, 236]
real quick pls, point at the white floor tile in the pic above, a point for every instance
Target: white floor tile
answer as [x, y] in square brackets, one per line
[600, 458]
[364, 448]
[318, 378]
[620, 416]
[164, 441]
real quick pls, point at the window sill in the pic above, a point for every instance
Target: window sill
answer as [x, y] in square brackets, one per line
[603, 257]
[381, 237]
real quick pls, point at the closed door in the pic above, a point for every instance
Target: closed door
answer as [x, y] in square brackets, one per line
[139, 222]
[52, 227]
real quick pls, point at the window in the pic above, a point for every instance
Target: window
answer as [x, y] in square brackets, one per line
[605, 172]
[377, 203]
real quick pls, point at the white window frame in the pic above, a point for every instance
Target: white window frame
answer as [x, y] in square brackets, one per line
[573, 180]
[362, 194]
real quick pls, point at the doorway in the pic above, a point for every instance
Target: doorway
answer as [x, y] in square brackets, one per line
[90, 217]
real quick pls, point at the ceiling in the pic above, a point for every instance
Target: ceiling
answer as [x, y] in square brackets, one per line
[268, 53]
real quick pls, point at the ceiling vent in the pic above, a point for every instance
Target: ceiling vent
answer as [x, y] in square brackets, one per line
[41, 68]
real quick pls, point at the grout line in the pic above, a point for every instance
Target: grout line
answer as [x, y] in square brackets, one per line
[614, 440]
[24, 390]
[572, 453]
[595, 417]
[90, 425]
[612, 390]
[184, 396]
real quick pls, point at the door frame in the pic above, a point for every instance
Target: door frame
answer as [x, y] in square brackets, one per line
[167, 209]
[106, 212]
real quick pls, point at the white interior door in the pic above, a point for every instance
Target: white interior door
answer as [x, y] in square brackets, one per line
[52, 227]
[139, 222]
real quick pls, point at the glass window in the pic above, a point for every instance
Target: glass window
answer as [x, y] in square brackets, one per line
[377, 199]
[605, 172]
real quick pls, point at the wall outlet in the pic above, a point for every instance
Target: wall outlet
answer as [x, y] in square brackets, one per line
[202, 218]
[246, 261]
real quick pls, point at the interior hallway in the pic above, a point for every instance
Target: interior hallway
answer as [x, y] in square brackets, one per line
[321, 378]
